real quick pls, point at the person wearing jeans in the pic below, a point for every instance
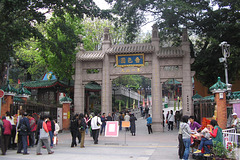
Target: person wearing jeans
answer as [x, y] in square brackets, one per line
[186, 135]
[51, 129]
[96, 124]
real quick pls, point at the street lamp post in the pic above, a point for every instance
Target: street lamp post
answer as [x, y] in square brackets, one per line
[226, 53]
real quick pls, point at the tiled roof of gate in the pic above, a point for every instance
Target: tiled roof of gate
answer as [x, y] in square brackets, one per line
[196, 96]
[66, 99]
[170, 52]
[131, 48]
[8, 88]
[234, 96]
[91, 56]
[43, 84]
[23, 91]
[17, 99]
[218, 86]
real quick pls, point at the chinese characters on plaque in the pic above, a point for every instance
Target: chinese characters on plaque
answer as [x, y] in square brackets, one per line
[126, 60]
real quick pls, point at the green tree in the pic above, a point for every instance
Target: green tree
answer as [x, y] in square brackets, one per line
[94, 30]
[210, 22]
[18, 20]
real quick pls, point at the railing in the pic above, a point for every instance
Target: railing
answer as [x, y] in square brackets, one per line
[230, 136]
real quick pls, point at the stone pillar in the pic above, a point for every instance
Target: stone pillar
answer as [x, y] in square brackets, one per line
[220, 99]
[187, 90]
[106, 99]
[66, 115]
[79, 90]
[156, 86]
[6, 106]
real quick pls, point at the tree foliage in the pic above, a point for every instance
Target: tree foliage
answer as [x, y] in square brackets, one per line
[209, 22]
[18, 20]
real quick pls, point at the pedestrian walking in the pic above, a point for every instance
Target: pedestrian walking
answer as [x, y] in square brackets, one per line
[51, 129]
[103, 119]
[177, 119]
[23, 129]
[43, 133]
[6, 135]
[82, 128]
[186, 135]
[55, 137]
[10, 118]
[33, 128]
[149, 124]
[74, 129]
[87, 119]
[120, 119]
[170, 120]
[95, 125]
[127, 118]
[133, 124]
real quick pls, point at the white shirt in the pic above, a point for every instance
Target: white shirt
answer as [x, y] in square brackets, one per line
[171, 118]
[57, 128]
[11, 120]
[94, 123]
[127, 118]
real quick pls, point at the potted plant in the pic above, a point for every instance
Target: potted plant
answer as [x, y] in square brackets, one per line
[222, 153]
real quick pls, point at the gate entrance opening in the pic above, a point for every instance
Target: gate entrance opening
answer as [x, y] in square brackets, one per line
[148, 59]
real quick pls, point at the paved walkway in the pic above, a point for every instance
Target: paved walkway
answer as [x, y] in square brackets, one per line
[143, 146]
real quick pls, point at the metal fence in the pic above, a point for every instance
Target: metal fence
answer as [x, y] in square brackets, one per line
[230, 136]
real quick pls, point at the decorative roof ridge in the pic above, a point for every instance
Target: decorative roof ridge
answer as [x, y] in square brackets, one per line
[23, 91]
[219, 86]
[197, 96]
[66, 99]
[130, 48]
[45, 83]
[8, 89]
[171, 52]
[91, 55]
[234, 96]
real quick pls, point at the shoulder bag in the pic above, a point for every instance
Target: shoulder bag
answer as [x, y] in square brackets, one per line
[43, 133]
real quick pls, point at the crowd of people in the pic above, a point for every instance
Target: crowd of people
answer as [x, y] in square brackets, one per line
[23, 131]
[95, 125]
[207, 137]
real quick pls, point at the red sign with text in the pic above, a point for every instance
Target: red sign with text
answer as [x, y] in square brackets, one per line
[1, 93]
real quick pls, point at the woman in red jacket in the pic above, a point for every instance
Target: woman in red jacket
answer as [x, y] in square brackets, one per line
[6, 134]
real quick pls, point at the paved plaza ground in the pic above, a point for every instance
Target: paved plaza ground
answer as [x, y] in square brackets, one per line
[140, 147]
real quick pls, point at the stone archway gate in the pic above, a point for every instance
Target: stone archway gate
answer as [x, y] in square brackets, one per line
[148, 59]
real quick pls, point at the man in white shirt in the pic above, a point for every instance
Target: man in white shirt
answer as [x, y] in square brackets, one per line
[235, 122]
[95, 125]
[127, 118]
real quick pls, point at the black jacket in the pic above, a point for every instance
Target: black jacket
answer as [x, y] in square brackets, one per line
[74, 125]
[24, 121]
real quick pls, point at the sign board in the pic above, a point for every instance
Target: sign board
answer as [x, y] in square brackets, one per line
[111, 129]
[126, 60]
[1, 93]
[125, 124]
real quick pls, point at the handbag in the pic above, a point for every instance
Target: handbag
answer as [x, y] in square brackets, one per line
[43, 133]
